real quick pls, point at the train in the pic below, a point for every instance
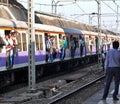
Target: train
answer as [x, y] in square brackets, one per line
[45, 24]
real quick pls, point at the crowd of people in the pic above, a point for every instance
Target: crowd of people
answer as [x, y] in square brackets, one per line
[51, 48]
[111, 60]
[9, 42]
[52, 51]
[11, 48]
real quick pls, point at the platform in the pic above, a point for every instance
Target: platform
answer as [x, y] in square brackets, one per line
[96, 98]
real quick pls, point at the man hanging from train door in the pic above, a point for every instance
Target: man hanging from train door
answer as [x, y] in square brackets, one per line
[90, 44]
[15, 43]
[72, 45]
[60, 44]
[9, 51]
[47, 43]
[81, 44]
[97, 44]
[63, 50]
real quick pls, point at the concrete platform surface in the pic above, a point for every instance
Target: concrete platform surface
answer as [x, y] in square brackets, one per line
[96, 98]
[109, 101]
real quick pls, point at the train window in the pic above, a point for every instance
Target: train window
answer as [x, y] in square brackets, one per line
[41, 42]
[37, 41]
[19, 42]
[24, 42]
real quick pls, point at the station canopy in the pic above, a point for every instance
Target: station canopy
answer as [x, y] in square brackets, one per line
[82, 0]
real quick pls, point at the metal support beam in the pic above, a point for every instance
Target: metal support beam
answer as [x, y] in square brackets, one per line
[99, 30]
[31, 45]
[54, 6]
[117, 21]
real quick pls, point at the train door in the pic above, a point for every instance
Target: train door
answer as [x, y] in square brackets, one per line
[22, 41]
[56, 40]
[2, 34]
[19, 39]
[87, 43]
[59, 43]
[39, 41]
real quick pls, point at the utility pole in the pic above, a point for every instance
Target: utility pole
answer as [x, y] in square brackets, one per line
[54, 6]
[117, 21]
[99, 30]
[31, 46]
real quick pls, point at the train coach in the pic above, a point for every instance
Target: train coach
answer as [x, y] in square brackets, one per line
[21, 58]
[41, 30]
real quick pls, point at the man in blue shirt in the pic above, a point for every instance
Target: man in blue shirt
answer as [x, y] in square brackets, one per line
[112, 69]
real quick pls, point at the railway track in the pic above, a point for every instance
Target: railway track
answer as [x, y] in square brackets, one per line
[68, 86]
[15, 86]
[73, 93]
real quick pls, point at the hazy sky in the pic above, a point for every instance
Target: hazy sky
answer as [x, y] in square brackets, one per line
[80, 11]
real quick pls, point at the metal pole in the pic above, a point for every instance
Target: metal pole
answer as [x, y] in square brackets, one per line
[117, 19]
[89, 19]
[56, 6]
[99, 30]
[31, 46]
[53, 5]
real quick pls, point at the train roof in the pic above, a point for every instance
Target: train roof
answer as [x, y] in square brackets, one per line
[72, 31]
[42, 27]
[50, 28]
[19, 13]
[16, 11]
[12, 23]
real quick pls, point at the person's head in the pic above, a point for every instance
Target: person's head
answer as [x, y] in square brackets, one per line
[80, 36]
[96, 37]
[64, 37]
[13, 32]
[90, 37]
[60, 36]
[115, 44]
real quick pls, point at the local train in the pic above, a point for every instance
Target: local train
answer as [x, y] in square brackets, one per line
[59, 26]
[41, 30]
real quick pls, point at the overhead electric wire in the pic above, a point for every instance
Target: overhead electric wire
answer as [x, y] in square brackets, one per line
[80, 8]
[116, 3]
[109, 6]
[48, 4]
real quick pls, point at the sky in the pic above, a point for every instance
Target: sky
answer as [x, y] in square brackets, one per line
[81, 11]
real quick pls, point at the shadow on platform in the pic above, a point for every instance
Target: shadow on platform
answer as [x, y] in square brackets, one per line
[109, 101]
